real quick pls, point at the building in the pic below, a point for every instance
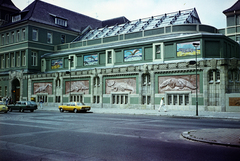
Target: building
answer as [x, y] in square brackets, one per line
[45, 54]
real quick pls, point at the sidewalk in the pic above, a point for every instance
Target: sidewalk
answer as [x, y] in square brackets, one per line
[219, 136]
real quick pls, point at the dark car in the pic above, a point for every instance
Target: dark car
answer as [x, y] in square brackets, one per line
[21, 106]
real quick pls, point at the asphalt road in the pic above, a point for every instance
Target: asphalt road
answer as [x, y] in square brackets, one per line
[51, 135]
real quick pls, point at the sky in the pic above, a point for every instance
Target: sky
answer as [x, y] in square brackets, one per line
[209, 11]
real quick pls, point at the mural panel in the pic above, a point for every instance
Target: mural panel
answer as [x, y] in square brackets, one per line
[90, 60]
[121, 85]
[133, 55]
[55, 64]
[178, 83]
[186, 49]
[42, 88]
[77, 86]
[234, 101]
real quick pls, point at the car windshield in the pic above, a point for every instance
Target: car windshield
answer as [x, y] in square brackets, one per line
[1, 103]
[80, 104]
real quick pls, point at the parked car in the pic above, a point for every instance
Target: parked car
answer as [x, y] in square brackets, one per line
[74, 107]
[21, 106]
[3, 107]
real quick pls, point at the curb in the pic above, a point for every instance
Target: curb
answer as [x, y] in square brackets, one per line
[188, 136]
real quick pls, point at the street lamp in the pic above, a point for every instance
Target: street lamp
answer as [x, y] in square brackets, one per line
[196, 46]
[69, 72]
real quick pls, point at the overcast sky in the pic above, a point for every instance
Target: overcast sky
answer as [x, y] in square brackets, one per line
[209, 11]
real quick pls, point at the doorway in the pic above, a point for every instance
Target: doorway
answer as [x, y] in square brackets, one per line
[15, 90]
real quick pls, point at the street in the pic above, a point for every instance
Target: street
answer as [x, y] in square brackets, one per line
[51, 135]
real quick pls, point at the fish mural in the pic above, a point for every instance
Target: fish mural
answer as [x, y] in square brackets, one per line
[77, 86]
[42, 88]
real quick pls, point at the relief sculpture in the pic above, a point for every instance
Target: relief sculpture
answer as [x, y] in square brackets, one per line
[42, 88]
[121, 85]
[178, 83]
[78, 86]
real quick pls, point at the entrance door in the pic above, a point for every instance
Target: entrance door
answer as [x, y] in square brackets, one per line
[15, 90]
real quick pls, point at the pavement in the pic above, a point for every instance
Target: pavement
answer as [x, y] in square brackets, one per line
[218, 136]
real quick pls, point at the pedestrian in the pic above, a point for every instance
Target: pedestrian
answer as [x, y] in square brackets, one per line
[41, 103]
[6, 100]
[162, 105]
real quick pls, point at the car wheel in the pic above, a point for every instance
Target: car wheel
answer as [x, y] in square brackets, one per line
[31, 110]
[10, 109]
[61, 110]
[75, 110]
[5, 111]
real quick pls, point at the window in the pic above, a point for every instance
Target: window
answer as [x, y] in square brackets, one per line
[18, 36]
[16, 18]
[76, 97]
[23, 58]
[0, 91]
[5, 92]
[49, 37]
[34, 58]
[158, 52]
[7, 38]
[2, 39]
[96, 99]
[217, 75]
[119, 98]
[109, 57]
[63, 39]
[177, 99]
[60, 21]
[12, 60]
[210, 76]
[58, 99]
[7, 60]
[18, 59]
[44, 98]
[23, 34]
[35, 35]
[2, 61]
[12, 37]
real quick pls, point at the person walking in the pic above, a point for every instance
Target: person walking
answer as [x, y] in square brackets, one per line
[162, 104]
[41, 103]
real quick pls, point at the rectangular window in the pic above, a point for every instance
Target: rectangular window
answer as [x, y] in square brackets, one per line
[2, 39]
[7, 38]
[2, 61]
[18, 59]
[0, 91]
[12, 37]
[18, 36]
[119, 99]
[5, 92]
[34, 58]
[60, 21]
[178, 99]
[7, 60]
[49, 37]
[23, 58]
[63, 39]
[109, 57]
[16, 18]
[158, 52]
[23, 34]
[35, 35]
[12, 60]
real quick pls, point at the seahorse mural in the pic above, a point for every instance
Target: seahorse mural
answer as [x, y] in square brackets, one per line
[177, 83]
[78, 86]
[42, 88]
[121, 85]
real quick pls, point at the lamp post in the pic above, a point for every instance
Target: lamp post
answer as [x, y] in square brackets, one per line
[196, 46]
[69, 72]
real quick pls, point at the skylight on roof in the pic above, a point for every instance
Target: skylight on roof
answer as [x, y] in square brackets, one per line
[16, 18]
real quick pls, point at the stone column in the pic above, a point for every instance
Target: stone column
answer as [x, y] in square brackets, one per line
[152, 78]
[100, 89]
[140, 87]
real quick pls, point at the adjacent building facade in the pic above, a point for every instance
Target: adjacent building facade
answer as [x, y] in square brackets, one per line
[45, 54]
